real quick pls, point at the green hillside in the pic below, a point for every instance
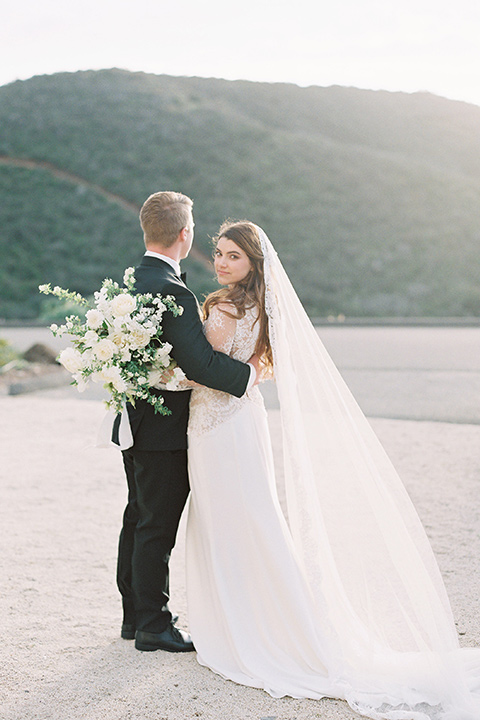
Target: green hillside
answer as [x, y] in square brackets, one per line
[371, 198]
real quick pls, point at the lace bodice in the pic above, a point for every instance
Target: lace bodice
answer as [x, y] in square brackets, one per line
[237, 338]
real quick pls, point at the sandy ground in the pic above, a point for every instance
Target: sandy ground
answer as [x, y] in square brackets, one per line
[61, 656]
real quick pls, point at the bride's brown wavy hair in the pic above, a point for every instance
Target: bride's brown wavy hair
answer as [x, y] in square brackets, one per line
[250, 292]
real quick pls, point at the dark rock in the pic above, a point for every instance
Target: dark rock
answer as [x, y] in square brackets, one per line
[40, 353]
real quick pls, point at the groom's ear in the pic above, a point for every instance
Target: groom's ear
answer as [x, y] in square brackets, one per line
[183, 235]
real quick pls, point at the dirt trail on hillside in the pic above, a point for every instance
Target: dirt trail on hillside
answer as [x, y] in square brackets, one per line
[195, 253]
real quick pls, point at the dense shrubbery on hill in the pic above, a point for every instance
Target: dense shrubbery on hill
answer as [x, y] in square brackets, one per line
[370, 197]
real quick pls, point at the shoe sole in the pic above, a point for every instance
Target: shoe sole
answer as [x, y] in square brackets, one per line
[152, 648]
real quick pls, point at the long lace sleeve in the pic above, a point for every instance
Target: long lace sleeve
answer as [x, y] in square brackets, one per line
[237, 338]
[220, 328]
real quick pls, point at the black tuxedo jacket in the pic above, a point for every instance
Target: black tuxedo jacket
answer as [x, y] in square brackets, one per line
[193, 353]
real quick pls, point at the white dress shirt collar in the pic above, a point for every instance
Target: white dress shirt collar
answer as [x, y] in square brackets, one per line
[174, 264]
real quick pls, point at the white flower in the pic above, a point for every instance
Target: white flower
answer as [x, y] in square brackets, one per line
[94, 319]
[177, 376]
[118, 323]
[105, 349]
[138, 338]
[100, 296]
[54, 327]
[81, 384]
[128, 274]
[90, 338]
[88, 357]
[155, 377]
[160, 306]
[119, 338]
[127, 323]
[102, 303]
[71, 360]
[113, 376]
[122, 343]
[162, 355]
[123, 304]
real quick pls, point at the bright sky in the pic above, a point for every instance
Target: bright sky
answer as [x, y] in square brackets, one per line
[407, 45]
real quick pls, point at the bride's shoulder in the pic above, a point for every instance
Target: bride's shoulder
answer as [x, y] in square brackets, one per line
[222, 309]
[221, 317]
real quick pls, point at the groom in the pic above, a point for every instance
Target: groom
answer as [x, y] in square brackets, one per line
[156, 464]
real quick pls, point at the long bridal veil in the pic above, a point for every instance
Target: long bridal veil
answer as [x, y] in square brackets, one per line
[390, 636]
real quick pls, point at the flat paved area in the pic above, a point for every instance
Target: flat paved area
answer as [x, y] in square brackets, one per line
[61, 657]
[415, 373]
[410, 373]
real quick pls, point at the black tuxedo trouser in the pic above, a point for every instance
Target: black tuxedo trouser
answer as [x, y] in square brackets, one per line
[157, 491]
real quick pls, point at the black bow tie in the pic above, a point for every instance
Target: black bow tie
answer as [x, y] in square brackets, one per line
[183, 276]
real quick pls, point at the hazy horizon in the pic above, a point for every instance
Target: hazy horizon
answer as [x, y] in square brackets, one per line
[419, 46]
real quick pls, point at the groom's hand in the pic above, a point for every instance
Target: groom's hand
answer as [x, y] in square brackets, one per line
[167, 375]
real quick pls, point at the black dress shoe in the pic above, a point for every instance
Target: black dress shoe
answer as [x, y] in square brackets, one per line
[171, 639]
[128, 629]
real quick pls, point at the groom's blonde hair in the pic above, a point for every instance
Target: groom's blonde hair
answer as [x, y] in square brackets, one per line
[163, 216]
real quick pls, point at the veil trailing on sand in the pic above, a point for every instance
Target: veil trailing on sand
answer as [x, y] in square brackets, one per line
[392, 645]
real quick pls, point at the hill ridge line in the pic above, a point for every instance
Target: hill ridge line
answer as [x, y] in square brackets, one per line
[29, 164]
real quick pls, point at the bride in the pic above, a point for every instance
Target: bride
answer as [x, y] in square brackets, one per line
[344, 600]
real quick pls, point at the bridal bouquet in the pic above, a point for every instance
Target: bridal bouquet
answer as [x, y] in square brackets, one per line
[119, 343]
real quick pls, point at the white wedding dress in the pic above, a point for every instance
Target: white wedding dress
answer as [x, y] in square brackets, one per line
[345, 600]
[251, 616]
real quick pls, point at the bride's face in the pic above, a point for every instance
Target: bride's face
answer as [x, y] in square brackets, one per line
[231, 263]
